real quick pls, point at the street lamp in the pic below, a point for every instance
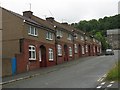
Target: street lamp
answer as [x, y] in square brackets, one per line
[56, 42]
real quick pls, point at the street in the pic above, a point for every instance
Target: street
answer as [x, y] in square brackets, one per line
[81, 73]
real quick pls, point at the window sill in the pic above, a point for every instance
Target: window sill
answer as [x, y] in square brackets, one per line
[70, 56]
[32, 59]
[51, 60]
[49, 39]
[33, 35]
[60, 55]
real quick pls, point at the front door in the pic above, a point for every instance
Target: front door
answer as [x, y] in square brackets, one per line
[80, 51]
[42, 56]
[65, 53]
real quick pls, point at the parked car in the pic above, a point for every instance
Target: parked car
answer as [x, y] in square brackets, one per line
[109, 52]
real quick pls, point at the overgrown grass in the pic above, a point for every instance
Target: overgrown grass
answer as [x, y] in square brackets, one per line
[114, 73]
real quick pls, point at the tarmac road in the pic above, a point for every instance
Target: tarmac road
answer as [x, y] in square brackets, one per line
[82, 73]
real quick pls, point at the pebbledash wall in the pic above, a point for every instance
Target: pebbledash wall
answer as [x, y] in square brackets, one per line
[30, 42]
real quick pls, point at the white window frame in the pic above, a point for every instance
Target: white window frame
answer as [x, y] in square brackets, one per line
[70, 51]
[97, 49]
[34, 30]
[49, 36]
[51, 54]
[76, 36]
[59, 48]
[40, 59]
[86, 47]
[82, 38]
[76, 48]
[83, 50]
[94, 49]
[32, 50]
[59, 33]
[69, 37]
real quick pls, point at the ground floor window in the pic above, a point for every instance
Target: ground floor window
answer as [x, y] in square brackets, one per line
[76, 48]
[40, 56]
[59, 50]
[97, 49]
[32, 52]
[70, 51]
[83, 50]
[94, 49]
[86, 48]
[51, 54]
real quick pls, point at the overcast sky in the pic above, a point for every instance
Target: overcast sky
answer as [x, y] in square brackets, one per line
[65, 10]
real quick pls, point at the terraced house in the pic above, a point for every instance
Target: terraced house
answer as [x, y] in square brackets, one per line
[30, 42]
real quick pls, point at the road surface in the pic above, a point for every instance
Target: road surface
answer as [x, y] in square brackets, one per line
[82, 73]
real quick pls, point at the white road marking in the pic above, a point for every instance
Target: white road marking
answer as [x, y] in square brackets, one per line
[99, 86]
[103, 83]
[102, 78]
[112, 82]
[105, 75]
[109, 85]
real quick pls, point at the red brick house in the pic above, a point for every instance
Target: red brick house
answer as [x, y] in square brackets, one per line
[30, 42]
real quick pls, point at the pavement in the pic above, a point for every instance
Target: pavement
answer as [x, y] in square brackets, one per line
[42, 71]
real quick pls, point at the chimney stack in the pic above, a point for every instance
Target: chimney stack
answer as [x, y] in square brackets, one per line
[27, 14]
[64, 23]
[51, 19]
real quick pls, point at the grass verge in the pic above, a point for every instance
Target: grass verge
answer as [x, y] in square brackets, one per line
[114, 73]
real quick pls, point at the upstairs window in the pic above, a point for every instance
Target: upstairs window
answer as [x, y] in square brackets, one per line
[82, 38]
[49, 36]
[76, 36]
[32, 52]
[59, 50]
[59, 33]
[69, 37]
[32, 31]
[76, 48]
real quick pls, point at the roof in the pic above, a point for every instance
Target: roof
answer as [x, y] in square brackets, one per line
[29, 20]
[113, 31]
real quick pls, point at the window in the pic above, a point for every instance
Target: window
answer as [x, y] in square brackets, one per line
[83, 50]
[82, 38]
[33, 31]
[50, 54]
[86, 46]
[59, 33]
[93, 39]
[76, 48]
[59, 50]
[76, 36]
[94, 49]
[86, 38]
[69, 37]
[97, 49]
[49, 36]
[32, 52]
[70, 51]
[40, 56]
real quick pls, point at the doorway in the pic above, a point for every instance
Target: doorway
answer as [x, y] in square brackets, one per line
[42, 56]
[80, 50]
[65, 53]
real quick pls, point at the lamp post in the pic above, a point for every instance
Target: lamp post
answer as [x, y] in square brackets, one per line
[56, 42]
[73, 34]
